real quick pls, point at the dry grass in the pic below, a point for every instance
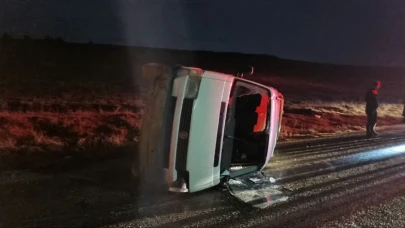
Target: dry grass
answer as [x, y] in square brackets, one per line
[56, 131]
[347, 108]
[67, 97]
[37, 139]
[323, 106]
[97, 126]
[79, 121]
[297, 125]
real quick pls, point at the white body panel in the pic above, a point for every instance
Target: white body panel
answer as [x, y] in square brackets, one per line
[204, 125]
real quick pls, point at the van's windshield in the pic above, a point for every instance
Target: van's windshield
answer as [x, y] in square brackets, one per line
[245, 138]
[250, 102]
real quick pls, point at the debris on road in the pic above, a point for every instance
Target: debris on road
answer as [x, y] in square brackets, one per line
[257, 190]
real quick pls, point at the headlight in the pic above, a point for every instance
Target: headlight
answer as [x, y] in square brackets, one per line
[193, 80]
[192, 88]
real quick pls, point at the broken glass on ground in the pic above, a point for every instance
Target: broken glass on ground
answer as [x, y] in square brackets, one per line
[257, 190]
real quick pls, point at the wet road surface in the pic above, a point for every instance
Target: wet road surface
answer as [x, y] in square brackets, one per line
[350, 181]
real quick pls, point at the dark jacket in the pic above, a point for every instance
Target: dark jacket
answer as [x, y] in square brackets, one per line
[371, 100]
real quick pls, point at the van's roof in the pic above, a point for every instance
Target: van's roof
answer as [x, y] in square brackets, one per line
[221, 76]
[218, 76]
[227, 77]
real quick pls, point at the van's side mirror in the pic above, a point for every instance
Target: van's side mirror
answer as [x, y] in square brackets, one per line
[245, 70]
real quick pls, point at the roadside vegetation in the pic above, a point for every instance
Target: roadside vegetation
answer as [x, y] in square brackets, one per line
[86, 100]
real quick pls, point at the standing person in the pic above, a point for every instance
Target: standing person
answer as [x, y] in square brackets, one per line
[371, 108]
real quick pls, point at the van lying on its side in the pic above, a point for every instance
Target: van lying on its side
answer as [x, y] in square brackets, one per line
[220, 126]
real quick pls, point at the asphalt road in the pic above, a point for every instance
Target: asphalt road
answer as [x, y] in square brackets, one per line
[350, 181]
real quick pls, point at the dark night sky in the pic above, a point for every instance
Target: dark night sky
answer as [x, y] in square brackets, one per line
[357, 32]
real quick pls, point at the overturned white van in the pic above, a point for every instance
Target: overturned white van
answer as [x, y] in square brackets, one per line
[217, 127]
